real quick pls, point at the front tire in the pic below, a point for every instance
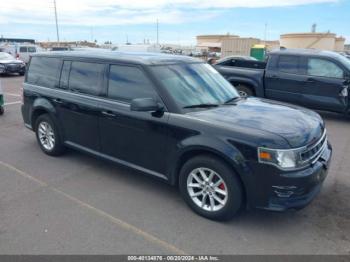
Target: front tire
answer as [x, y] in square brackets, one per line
[211, 188]
[244, 91]
[48, 136]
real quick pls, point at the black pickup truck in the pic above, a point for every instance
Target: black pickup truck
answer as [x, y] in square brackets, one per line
[311, 78]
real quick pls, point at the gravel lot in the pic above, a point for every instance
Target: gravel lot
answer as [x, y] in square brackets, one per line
[76, 204]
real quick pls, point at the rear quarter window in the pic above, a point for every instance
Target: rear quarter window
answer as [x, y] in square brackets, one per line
[44, 71]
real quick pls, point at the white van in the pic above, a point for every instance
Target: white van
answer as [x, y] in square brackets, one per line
[21, 52]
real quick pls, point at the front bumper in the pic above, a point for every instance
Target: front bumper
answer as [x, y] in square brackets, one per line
[279, 191]
[13, 69]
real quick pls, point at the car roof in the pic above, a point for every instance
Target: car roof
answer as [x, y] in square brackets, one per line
[130, 57]
[300, 51]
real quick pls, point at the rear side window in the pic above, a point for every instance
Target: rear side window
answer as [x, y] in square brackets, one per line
[23, 49]
[31, 49]
[288, 64]
[126, 83]
[324, 68]
[44, 71]
[86, 77]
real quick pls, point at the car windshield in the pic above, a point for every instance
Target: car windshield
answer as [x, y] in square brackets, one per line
[195, 84]
[5, 56]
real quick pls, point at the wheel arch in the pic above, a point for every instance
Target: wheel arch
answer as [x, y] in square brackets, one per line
[194, 151]
[41, 106]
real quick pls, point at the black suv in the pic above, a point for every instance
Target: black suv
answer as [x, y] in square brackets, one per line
[178, 119]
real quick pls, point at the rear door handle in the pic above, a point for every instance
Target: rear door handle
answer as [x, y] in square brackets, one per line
[58, 101]
[311, 80]
[108, 113]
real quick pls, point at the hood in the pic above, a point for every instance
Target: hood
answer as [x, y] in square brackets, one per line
[297, 125]
[11, 61]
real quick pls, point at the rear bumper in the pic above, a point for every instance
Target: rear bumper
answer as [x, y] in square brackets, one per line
[279, 191]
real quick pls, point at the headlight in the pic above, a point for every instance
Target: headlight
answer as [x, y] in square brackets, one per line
[284, 159]
[2, 68]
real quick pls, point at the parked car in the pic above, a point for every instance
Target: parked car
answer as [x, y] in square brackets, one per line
[8, 64]
[311, 78]
[176, 118]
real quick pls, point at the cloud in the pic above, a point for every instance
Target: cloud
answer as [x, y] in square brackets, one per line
[121, 12]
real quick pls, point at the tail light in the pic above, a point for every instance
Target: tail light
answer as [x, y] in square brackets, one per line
[17, 56]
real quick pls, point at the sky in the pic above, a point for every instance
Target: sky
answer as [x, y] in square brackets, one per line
[179, 20]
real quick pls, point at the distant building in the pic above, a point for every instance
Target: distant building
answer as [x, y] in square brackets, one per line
[238, 46]
[313, 40]
[48, 45]
[212, 43]
[17, 40]
[232, 44]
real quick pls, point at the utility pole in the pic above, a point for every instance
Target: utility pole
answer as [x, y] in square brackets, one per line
[58, 36]
[265, 33]
[157, 32]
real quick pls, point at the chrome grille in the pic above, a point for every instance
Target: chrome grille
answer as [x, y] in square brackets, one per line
[313, 152]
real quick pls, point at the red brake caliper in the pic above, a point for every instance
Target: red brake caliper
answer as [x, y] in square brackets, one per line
[222, 186]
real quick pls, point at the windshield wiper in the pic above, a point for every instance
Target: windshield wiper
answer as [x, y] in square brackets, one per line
[233, 99]
[201, 106]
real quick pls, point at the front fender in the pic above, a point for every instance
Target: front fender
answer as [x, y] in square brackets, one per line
[220, 147]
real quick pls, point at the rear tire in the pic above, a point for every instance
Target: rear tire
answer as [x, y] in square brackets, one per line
[245, 91]
[48, 136]
[2, 110]
[217, 199]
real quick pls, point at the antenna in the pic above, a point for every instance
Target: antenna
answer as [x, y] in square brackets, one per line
[157, 32]
[58, 36]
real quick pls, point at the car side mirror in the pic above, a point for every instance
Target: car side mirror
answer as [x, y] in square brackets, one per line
[145, 105]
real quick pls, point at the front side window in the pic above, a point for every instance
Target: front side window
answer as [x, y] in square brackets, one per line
[23, 49]
[86, 77]
[195, 84]
[43, 71]
[126, 83]
[323, 68]
[288, 64]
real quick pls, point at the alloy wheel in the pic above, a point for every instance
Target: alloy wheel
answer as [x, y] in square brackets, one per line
[207, 189]
[46, 136]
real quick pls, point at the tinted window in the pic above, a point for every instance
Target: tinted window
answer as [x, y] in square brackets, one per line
[86, 77]
[127, 83]
[44, 71]
[288, 64]
[23, 49]
[31, 49]
[325, 68]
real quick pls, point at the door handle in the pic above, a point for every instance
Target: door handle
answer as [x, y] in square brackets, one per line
[58, 101]
[311, 80]
[108, 113]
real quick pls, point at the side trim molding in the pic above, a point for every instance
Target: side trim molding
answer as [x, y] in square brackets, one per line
[116, 160]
